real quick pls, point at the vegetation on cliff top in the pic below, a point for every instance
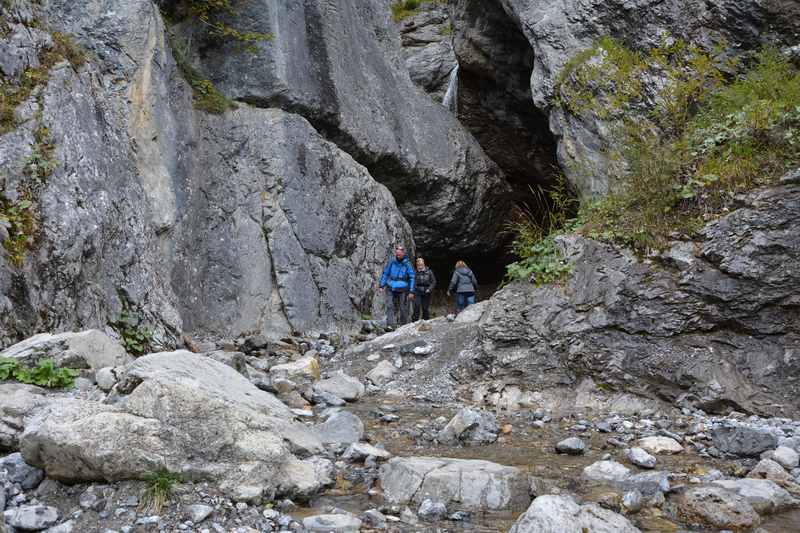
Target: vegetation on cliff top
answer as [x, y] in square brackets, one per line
[715, 129]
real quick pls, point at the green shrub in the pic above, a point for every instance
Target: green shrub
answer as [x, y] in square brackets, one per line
[19, 221]
[403, 9]
[535, 229]
[158, 490]
[208, 13]
[135, 338]
[705, 138]
[205, 96]
[45, 374]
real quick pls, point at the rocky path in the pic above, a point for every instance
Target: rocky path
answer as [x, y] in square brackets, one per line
[375, 433]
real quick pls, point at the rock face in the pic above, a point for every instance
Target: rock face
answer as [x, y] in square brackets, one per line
[427, 50]
[715, 325]
[443, 182]
[561, 514]
[471, 485]
[249, 222]
[556, 31]
[183, 412]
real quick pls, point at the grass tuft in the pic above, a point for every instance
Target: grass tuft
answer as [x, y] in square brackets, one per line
[158, 490]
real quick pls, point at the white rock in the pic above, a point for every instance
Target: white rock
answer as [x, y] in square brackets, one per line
[786, 457]
[640, 458]
[658, 445]
[764, 495]
[561, 514]
[85, 349]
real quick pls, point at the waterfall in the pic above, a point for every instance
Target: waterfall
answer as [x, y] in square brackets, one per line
[451, 96]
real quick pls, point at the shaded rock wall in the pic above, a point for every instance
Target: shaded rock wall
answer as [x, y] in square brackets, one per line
[249, 222]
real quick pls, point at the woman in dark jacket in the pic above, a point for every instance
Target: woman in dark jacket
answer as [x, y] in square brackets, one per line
[464, 285]
[423, 289]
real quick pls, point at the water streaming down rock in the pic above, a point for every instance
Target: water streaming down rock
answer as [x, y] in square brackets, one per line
[450, 100]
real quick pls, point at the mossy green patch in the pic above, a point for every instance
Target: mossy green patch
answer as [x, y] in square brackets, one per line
[688, 147]
[18, 219]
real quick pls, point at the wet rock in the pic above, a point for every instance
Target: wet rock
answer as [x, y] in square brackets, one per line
[18, 471]
[342, 427]
[561, 514]
[432, 510]
[660, 445]
[571, 446]
[769, 469]
[743, 441]
[764, 495]
[85, 349]
[471, 485]
[358, 451]
[640, 458]
[32, 517]
[470, 426]
[342, 386]
[648, 483]
[382, 373]
[332, 523]
[716, 507]
[198, 512]
[617, 475]
[325, 398]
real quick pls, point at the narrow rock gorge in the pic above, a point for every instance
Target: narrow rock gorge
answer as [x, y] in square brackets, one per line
[198, 199]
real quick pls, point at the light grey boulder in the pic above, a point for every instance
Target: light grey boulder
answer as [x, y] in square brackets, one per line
[235, 360]
[183, 412]
[610, 472]
[571, 446]
[342, 427]
[787, 457]
[633, 501]
[618, 476]
[358, 451]
[764, 495]
[198, 512]
[640, 458]
[18, 471]
[743, 441]
[716, 507]
[769, 469]
[332, 523]
[64, 527]
[472, 485]
[432, 510]
[561, 514]
[106, 378]
[660, 445]
[342, 386]
[32, 517]
[470, 426]
[90, 349]
[17, 403]
[382, 373]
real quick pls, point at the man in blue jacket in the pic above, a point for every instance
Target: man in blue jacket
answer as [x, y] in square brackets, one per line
[398, 283]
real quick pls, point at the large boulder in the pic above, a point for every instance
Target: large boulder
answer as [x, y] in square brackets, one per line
[18, 403]
[707, 325]
[342, 386]
[763, 494]
[561, 514]
[715, 507]
[471, 485]
[182, 412]
[90, 349]
[743, 441]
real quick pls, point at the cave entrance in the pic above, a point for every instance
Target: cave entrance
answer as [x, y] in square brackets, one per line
[494, 102]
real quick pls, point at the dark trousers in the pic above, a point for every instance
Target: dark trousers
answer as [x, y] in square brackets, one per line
[464, 299]
[422, 301]
[396, 307]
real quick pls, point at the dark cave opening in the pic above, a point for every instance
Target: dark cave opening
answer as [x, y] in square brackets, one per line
[495, 104]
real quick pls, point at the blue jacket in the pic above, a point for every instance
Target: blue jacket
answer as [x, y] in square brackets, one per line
[399, 275]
